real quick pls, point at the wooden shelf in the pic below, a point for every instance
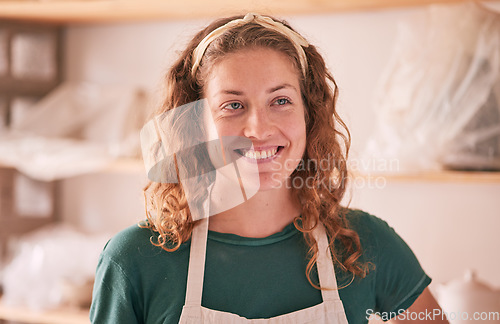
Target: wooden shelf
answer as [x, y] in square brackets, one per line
[127, 165]
[93, 11]
[59, 316]
[137, 166]
[437, 176]
[20, 225]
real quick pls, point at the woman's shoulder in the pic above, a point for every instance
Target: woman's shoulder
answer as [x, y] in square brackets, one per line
[380, 242]
[134, 245]
[129, 239]
[372, 230]
[132, 268]
[364, 222]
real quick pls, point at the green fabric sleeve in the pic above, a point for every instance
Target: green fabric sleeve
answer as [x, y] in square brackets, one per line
[399, 277]
[114, 298]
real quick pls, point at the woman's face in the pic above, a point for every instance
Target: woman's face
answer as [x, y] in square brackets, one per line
[255, 94]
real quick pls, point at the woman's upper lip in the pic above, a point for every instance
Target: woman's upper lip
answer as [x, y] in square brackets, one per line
[265, 148]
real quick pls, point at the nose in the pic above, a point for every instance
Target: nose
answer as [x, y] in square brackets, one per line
[259, 124]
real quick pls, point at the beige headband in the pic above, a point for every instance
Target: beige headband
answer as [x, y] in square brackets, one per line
[297, 40]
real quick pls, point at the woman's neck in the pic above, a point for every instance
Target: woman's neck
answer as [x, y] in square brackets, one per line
[264, 214]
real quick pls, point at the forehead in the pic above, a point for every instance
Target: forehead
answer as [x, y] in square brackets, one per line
[260, 65]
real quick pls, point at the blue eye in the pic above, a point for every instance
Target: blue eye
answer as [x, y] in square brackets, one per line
[282, 101]
[233, 106]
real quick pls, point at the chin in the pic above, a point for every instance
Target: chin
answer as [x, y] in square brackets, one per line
[272, 181]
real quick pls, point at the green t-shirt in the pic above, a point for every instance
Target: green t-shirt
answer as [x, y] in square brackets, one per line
[137, 282]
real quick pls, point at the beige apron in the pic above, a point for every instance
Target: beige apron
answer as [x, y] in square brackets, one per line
[330, 311]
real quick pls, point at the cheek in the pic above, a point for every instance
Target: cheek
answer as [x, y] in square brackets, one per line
[227, 129]
[297, 131]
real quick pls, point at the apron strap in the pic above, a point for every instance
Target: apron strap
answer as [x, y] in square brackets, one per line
[196, 268]
[324, 264]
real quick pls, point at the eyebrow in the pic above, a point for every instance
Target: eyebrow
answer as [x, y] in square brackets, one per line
[282, 86]
[233, 92]
[274, 89]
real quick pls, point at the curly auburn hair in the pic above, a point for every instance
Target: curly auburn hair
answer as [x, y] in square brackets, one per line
[327, 136]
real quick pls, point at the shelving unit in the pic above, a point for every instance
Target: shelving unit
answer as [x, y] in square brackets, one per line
[13, 221]
[58, 316]
[67, 12]
[105, 11]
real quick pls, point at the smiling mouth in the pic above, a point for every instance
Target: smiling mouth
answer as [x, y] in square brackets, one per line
[259, 154]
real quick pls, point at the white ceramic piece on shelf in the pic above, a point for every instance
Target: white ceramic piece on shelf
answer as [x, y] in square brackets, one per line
[34, 56]
[468, 297]
[32, 198]
[20, 108]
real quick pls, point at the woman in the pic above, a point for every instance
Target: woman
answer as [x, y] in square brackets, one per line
[288, 252]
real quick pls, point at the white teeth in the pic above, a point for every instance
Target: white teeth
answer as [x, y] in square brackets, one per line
[259, 155]
[250, 154]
